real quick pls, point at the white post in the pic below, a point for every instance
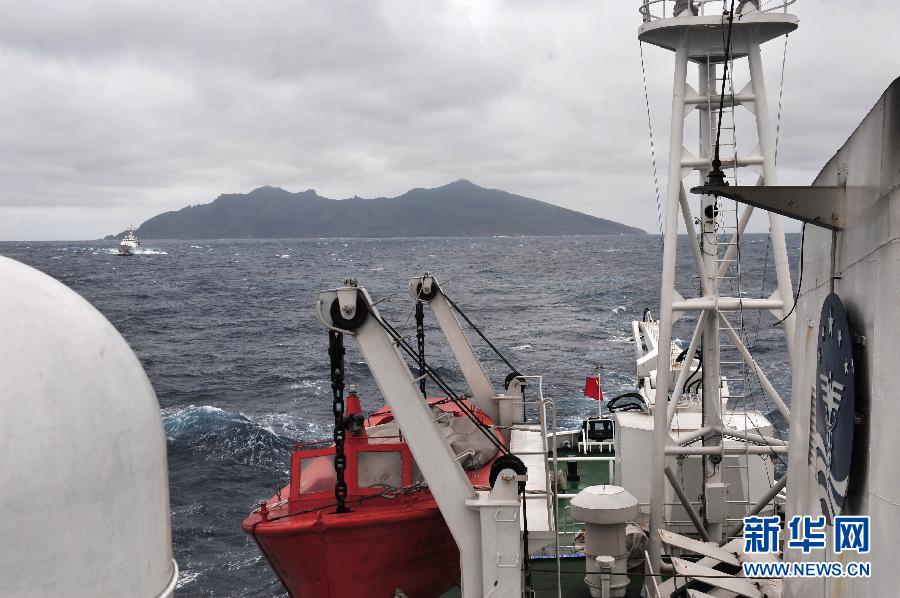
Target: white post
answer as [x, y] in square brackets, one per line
[667, 295]
[684, 371]
[599, 390]
[776, 221]
[501, 555]
[476, 379]
[763, 379]
[445, 477]
[712, 400]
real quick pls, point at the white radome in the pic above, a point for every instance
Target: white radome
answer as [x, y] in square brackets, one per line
[84, 489]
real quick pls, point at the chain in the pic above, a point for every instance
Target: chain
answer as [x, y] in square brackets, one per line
[420, 337]
[336, 356]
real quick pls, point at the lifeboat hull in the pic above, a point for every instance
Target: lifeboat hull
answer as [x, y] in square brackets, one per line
[393, 538]
[373, 551]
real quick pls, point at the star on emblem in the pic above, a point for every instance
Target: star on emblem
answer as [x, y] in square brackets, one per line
[830, 321]
[840, 337]
[846, 367]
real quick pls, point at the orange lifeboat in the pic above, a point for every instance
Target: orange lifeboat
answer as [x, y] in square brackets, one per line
[392, 538]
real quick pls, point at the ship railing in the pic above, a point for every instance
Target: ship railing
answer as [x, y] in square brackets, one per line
[653, 584]
[540, 403]
[549, 444]
[653, 10]
[326, 442]
[568, 533]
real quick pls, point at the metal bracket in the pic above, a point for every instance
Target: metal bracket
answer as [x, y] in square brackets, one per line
[346, 297]
[821, 206]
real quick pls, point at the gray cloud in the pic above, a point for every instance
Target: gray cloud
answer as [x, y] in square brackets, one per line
[115, 111]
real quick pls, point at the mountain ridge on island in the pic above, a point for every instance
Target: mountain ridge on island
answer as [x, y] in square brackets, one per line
[458, 209]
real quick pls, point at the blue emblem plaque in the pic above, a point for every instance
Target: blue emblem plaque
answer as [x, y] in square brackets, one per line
[834, 407]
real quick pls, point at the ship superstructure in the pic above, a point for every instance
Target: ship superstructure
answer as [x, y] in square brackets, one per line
[690, 457]
[467, 489]
[845, 412]
[129, 243]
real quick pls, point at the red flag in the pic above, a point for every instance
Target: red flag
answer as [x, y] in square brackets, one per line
[592, 388]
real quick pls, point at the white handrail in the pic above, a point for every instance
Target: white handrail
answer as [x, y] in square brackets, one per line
[550, 488]
[663, 13]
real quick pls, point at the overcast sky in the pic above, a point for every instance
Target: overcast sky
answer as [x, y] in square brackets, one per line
[111, 112]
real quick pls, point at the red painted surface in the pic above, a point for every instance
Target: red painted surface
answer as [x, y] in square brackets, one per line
[383, 544]
[592, 388]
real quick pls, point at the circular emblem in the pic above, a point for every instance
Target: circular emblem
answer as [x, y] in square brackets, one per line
[834, 407]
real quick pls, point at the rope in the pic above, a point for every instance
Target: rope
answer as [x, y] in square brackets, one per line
[526, 564]
[477, 331]
[652, 146]
[800, 279]
[389, 492]
[464, 407]
[780, 96]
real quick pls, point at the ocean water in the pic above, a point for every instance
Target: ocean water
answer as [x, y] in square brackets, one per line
[227, 333]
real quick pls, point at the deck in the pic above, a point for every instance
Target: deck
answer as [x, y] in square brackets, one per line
[591, 473]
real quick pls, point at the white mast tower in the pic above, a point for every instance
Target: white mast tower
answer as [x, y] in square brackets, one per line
[699, 34]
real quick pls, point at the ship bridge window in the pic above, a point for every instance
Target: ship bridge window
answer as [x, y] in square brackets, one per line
[317, 474]
[380, 469]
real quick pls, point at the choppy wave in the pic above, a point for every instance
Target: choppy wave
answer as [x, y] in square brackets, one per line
[138, 251]
[228, 335]
[219, 435]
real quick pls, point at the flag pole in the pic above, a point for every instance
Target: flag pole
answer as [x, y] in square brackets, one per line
[599, 402]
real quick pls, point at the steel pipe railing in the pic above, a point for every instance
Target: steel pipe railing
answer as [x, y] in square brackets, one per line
[654, 10]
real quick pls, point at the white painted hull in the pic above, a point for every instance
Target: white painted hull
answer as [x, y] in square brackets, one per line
[862, 262]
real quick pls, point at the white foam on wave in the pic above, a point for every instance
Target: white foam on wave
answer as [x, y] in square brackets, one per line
[186, 577]
[306, 384]
[243, 563]
[284, 256]
[521, 347]
[138, 251]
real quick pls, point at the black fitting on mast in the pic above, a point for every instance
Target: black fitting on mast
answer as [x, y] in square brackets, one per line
[716, 177]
